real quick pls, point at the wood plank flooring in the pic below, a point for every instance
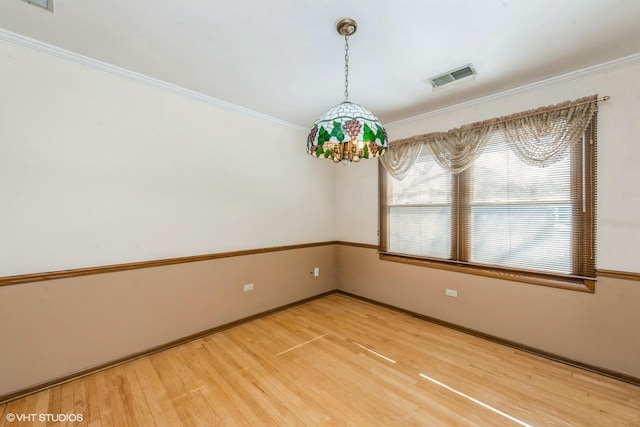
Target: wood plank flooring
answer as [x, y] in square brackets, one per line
[336, 360]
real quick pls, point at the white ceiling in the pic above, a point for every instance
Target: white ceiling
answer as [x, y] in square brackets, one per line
[285, 59]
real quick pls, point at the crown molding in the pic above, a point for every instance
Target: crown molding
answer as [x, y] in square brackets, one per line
[66, 55]
[605, 67]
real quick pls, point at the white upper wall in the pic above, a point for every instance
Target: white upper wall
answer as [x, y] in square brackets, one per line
[618, 222]
[357, 202]
[97, 169]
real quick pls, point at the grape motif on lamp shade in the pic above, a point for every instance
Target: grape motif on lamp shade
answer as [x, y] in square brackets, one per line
[347, 131]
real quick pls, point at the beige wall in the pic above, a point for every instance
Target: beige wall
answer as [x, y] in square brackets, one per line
[598, 329]
[54, 328]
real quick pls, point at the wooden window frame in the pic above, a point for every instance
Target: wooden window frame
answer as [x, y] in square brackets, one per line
[583, 180]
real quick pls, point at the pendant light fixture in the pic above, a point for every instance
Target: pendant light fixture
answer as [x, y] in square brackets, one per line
[347, 132]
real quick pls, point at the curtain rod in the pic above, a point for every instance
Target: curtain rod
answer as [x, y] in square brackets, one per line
[503, 119]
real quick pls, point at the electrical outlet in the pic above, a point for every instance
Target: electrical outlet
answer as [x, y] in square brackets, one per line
[248, 287]
[316, 272]
[451, 293]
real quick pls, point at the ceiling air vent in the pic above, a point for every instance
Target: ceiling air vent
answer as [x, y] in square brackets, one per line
[464, 73]
[45, 4]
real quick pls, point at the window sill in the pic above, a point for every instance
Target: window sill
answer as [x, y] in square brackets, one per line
[541, 279]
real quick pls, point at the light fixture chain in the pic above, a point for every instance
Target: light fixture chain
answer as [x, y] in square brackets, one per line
[346, 68]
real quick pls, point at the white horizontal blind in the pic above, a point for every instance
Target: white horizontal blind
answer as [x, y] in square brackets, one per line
[419, 211]
[519, 216]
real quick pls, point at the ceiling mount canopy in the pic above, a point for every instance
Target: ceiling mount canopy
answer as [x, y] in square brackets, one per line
[346, 27]
[347, 132]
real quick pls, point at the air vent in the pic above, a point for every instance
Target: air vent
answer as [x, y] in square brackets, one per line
[45, 4]
[464, 73]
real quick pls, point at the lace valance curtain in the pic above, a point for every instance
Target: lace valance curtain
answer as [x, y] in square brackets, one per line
[538, 137]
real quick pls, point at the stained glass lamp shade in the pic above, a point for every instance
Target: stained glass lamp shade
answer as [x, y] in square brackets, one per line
[347, 132]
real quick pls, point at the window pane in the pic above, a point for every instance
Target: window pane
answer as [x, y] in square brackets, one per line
[522, 236]
[424, 231]
[499, 175]
[426, 183]
[520, 215]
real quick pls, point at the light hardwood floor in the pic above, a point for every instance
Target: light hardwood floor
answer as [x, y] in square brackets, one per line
[338, 360]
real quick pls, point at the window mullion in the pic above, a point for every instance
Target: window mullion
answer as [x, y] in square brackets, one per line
[465, 197]
[577, 207]
[455, 217]
[461, 187]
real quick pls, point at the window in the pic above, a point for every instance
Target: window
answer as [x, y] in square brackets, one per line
[502, 215]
